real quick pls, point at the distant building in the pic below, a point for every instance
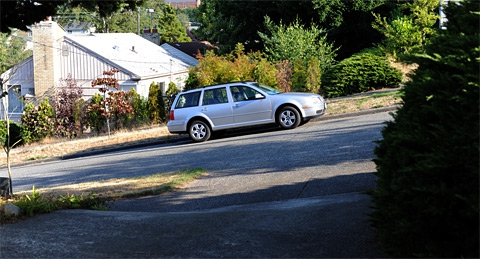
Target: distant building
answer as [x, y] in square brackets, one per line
[182, 4]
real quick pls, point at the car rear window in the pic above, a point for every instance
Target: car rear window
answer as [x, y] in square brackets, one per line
[214, 96]
[188, 100]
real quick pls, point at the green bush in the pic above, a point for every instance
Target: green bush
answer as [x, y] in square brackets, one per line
[94, 115]
[15, 134]
[140, 110]
[38, 122]
[362, 72]
[427, 195]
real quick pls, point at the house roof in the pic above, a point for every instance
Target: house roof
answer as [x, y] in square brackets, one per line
[194, 47]
[133, 54]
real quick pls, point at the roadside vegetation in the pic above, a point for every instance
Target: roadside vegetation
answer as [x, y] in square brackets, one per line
[427, 200]
[95, 195]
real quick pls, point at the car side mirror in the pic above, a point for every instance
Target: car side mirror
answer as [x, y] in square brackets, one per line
[259, 96]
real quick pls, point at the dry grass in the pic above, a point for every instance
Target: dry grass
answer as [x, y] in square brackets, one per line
[128, 187]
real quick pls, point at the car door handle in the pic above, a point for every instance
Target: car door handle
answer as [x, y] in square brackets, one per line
[204, 109]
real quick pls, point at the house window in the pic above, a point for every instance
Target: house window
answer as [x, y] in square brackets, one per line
[15, 105]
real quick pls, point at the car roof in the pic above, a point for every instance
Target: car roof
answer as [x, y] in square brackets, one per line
[221, 84]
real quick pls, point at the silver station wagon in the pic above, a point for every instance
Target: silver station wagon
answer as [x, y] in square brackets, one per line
[201, 112]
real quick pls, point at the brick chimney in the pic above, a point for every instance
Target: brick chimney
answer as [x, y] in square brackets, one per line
[47, 36]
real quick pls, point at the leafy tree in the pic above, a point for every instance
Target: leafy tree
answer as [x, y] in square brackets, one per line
[12, 51]
[228, 23]
[307, 50]
[349, 23]
[294, 42]
[409, 27]
[427, 195]
[20, 14]
[170, 28]
[116, 104]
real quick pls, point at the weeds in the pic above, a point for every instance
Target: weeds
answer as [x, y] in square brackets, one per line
[97, 195]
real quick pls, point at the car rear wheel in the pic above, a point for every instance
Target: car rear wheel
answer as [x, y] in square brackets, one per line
[288, 118]
[199, 131]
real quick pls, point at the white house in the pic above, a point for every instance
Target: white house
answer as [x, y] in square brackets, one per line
[57, 54]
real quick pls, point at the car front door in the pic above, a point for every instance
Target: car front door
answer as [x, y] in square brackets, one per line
[250, 106]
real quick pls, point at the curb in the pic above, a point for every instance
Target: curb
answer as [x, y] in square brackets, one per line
[170, 140]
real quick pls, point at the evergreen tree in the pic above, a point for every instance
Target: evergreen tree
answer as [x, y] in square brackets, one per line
[153, 103]
[427, 196]
[170, 28]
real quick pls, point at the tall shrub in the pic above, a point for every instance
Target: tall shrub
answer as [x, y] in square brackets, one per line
[94, 116]
[140, 110]
[79, 115]
[15, 131]
[154, 94]
[65, 95]
[38, 121]
[427, 195]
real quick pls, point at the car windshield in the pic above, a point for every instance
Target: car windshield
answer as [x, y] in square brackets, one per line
[267, 89]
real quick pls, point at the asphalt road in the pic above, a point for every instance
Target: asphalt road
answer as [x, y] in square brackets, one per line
[272, 193]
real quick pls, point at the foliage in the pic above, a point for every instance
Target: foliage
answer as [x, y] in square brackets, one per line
[140, 108]
[171, 92]
[427, 195]
[359, 73]
[15, 131]
[116, 104]
[38, 122]
[94, 116]
[296, 43]
[80, 116]
[20, 14]
[170, 28]
[408, 28]
[349, 23]
[65, 96]
[12, 51]
[155, 104]
[228, 23]
[284, 75]
[36, 203]
[237, 66]
[119, 107]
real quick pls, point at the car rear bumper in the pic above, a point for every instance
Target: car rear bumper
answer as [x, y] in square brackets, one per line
[176, 127]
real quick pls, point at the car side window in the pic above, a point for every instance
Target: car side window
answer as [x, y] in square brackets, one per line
[244, 93]
[214, 96]
[188, 100]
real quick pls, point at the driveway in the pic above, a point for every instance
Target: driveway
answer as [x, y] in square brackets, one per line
[292, 201]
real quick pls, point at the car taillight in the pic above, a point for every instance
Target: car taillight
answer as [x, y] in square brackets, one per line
[172, 115]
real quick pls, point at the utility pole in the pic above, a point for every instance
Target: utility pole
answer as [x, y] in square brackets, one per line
[138, 21]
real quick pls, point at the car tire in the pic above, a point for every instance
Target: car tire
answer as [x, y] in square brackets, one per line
[199, 131]
[288, 118]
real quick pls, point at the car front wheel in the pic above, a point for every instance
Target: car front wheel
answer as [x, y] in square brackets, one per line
[199, 131]
[288, 118]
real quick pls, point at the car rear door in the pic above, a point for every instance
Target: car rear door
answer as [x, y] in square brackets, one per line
[215, 106]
